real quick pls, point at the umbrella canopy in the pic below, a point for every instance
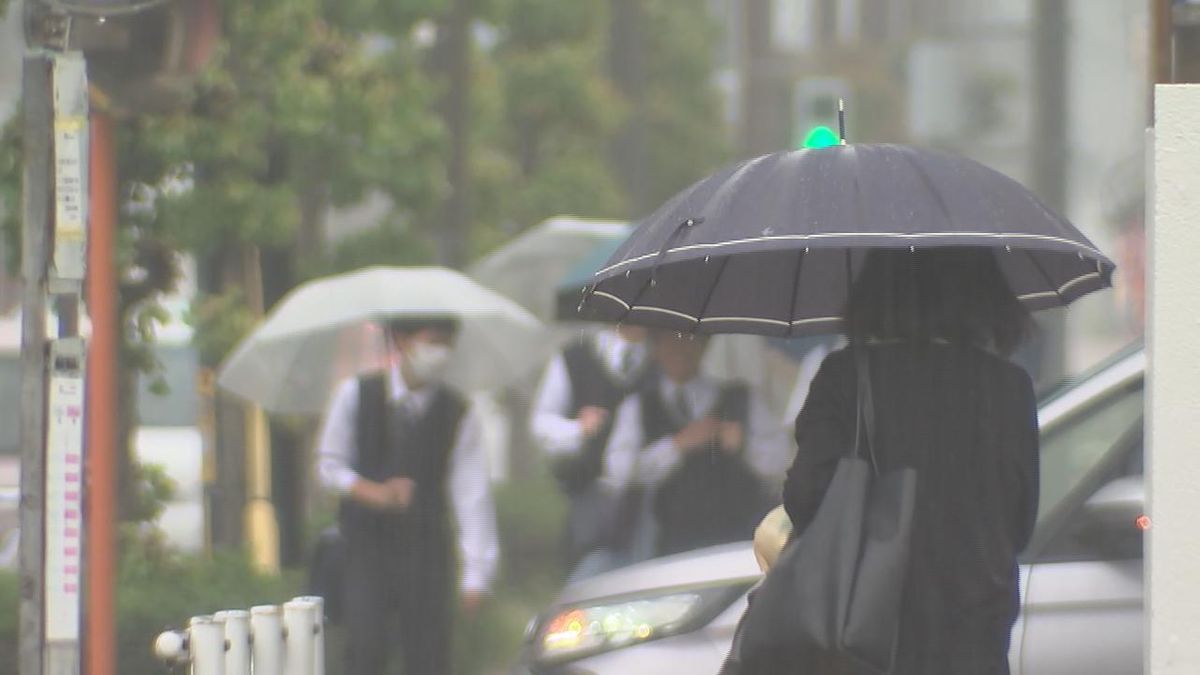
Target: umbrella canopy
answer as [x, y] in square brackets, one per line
[331, 328]
[530, 267]
[571, 287]
[772, 245]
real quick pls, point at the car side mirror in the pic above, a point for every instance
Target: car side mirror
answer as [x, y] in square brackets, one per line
[1121, 503]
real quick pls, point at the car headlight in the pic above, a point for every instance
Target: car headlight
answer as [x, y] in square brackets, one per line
[603, 625]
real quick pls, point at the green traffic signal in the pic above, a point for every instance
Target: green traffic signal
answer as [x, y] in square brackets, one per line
[821, 137]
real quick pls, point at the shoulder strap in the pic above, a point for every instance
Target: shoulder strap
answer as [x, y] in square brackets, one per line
[866, 406]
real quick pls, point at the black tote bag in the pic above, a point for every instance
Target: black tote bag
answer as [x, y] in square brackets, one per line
[838, 586]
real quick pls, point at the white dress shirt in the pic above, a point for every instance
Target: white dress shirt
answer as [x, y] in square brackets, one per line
[558, 434]
[630, 459]
[470, 491]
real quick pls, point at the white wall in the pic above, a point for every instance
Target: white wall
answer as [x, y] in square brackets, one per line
[1173, 542]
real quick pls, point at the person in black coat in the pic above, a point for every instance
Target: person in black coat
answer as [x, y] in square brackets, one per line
[937, 326]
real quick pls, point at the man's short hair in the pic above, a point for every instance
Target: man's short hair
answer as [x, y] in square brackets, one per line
[416, 324]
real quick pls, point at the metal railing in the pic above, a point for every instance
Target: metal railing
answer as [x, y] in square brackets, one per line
[266, 640]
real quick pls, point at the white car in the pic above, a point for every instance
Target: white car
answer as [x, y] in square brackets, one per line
[1081, 577]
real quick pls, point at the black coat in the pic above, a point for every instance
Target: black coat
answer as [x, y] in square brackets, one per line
[967, 421]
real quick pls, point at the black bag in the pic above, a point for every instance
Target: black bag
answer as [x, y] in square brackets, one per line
[326, 575]
[838, 586]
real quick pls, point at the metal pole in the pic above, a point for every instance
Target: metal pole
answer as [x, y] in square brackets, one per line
[101, 402]
[266, 630]
[1051, 153]
[35, 228]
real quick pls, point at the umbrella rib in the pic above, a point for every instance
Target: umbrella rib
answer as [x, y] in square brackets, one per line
[933, 191]
[795, 289]
[1041, 270]
[713, 287]
[634, 300]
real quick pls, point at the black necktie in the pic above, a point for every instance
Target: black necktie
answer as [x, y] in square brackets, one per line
[682, 406]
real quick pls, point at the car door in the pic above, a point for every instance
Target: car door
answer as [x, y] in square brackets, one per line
[1082, 593]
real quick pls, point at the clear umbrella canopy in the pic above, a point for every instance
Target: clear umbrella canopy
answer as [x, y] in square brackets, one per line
[331, 328]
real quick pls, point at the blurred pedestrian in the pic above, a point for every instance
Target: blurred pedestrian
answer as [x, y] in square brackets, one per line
[404, 451]
[572, 419]
[698, 460]
[937, 326]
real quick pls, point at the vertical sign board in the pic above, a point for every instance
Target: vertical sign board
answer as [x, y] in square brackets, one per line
[64, 490]
[70, 171]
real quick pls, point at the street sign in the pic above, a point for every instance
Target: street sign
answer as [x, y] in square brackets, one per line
[70, 172]
[64, 491]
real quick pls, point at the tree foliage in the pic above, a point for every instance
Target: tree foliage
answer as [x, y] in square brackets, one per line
[313, 104]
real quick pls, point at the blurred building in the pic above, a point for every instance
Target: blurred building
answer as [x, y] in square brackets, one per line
[966, 75]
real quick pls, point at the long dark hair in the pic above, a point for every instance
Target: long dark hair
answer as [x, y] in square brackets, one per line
[957, 294]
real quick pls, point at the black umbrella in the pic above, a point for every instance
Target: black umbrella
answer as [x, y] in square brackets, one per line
[771, 245]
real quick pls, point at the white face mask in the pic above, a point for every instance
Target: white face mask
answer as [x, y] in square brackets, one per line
[427, 361]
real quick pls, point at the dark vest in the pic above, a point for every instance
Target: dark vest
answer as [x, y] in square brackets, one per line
[591, 385]
[390, 444]
[711, 497]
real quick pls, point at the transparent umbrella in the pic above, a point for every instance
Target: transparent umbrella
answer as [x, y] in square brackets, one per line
[530, 268]
[331, 328]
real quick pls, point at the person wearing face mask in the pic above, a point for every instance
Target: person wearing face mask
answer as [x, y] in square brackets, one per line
[403, 451]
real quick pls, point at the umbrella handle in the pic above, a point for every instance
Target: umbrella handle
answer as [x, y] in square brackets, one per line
[666, 247]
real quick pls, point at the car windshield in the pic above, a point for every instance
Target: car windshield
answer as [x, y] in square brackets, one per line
[1078, 445]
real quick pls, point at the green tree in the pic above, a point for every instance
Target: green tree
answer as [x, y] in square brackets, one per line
[302, 109]
[557, 112]
[686, 135]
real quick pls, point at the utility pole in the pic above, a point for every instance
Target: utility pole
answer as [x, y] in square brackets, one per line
[37, 114]
[1050, 152]
[54, 236]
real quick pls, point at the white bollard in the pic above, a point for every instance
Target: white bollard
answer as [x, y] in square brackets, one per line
[237, 640]
[318, 634]
[206, 637]
[266, 630]
[299, 621]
